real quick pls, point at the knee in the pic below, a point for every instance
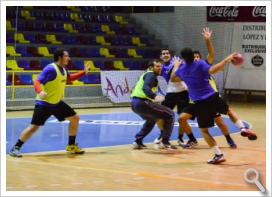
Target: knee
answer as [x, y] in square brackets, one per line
[74, 119]
[182, 119]
[169, 116]
[33, 128]
[219, 123]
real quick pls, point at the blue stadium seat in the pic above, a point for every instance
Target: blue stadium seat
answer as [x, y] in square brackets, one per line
[31, 38]
[9, 38]
[23, 51]
[44, 63]
[26, 79]
[92, 52]
[23, 64]
[78, 65]
[91, 79]
[129, 64]
[99, 64]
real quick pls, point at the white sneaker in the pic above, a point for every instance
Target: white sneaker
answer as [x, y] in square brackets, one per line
[166, 146]
[217, 159]
[180, 142]
[157, 140]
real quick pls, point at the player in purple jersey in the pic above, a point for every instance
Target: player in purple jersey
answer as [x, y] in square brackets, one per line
[189, 111]
[196, 75]
[176, 95]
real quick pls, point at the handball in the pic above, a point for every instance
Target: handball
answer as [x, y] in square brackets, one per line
[238, 60]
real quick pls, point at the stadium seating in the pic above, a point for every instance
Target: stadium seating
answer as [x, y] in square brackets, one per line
[97, 35]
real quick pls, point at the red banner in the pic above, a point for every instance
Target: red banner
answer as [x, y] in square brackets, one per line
[236, 13]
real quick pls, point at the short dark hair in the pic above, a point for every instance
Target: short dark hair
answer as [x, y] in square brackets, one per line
[151, 62]
[188, 55]
[166, 49]
[58, 53]
[197, 52]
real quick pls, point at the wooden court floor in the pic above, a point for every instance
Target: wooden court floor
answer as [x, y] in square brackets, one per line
[122, 169]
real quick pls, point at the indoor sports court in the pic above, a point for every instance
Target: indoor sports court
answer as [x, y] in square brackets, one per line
[117, 44]
[110, 163]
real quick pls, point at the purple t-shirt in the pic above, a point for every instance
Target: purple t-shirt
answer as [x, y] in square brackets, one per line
[48, 74]
[196, 76]
[166, 70]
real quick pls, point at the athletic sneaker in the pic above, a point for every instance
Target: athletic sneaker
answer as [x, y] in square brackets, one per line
[190, 144]
[232, 143]
[180, 142]
[216, 159]
[74, 149]
[249, 134]
[138, 145]
[15, 152]
[158, 140]
[167, 146]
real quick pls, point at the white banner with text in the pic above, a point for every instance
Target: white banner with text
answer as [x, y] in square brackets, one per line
[118, 85]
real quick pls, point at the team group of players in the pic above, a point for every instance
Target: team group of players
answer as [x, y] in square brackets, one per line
[190, 88]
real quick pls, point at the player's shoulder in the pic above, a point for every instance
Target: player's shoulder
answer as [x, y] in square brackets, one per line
[49, 68]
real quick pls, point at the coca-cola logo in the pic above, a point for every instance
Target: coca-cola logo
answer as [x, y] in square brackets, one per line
[259, 11]
[257, 60]
[224, 11]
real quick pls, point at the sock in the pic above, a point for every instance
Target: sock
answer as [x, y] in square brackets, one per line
[216, 150]
[191, 137]
[19, 143]
[180, 137]
[72, 140]
[228, 137]
[240, 124]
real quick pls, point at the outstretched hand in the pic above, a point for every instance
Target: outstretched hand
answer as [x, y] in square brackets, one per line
[177, 61]
[231, 57]
[87, 67]
[207, 33]
[159, 98]
[42, 95]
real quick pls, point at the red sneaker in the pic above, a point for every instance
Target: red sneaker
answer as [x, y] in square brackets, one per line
[249, 134]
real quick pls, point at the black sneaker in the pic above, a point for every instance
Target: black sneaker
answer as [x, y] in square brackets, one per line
[138, 145]
[190, 144]
[15, 152]
[216, 159]
[232, 143]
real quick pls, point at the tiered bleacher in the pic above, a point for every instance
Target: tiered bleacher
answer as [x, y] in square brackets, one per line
[106, 39]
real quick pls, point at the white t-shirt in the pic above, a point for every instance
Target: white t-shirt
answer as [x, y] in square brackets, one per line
[174, 87]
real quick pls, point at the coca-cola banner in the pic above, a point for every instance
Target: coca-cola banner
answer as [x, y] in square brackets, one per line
[118, 85]
[236, 13]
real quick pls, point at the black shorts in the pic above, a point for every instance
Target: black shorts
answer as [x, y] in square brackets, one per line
[206, 110]
[190, 108]
[60, 111]
[179, 99]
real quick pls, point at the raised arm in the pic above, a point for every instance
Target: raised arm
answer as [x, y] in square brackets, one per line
[75, 76]
[207, 34]
[220, 66]
[177, 63]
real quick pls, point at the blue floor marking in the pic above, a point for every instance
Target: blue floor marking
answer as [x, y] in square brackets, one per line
[99, 130]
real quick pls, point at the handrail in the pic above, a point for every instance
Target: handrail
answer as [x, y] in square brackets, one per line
[13, 86]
